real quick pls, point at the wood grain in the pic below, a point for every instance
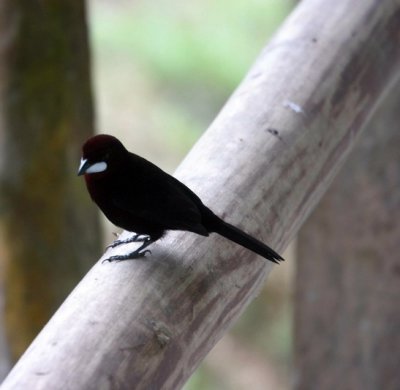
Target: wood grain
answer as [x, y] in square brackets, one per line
[347, 296]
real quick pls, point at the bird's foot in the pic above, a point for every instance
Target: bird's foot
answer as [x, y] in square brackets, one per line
[137, 254]
[130, 256]
[134, 238]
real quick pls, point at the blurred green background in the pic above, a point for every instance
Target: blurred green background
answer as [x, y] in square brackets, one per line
[162, 70]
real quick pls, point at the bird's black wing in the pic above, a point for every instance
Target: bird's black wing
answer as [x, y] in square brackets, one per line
[153, 196]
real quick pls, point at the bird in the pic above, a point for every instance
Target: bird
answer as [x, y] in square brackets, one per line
[138, 196]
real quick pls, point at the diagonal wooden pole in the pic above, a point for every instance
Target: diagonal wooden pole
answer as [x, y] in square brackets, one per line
[263, 164]
[347, 295]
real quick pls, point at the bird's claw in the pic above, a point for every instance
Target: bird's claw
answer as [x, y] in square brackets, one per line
[134, 238]
[114, 244]
[129, 256]
[137, 254]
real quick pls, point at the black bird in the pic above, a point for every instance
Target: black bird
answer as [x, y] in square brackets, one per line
[137, 196]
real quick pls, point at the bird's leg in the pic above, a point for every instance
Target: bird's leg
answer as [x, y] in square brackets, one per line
[134, 238]
[138, 253]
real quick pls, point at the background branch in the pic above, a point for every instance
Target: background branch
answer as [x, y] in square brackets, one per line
[351, 323]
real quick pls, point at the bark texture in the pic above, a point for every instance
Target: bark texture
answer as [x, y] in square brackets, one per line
[263, 164]
[49, 234]
[348, 287]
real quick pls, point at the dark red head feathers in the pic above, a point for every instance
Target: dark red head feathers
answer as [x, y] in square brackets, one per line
[100, 153]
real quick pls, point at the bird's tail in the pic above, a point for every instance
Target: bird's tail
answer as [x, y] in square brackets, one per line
[234, 234]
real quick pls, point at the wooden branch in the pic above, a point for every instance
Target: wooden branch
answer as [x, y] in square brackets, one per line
[354, 277]
[263, 165]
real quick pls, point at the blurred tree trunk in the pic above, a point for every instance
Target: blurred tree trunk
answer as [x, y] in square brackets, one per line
[348, 313]
[47, 229]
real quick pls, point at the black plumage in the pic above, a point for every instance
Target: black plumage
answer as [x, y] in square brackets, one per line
[137, 196]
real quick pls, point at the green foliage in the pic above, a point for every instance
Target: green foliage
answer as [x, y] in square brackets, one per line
[197, 51]
[203, 40]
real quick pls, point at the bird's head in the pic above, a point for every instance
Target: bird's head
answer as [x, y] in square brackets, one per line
[100, 153]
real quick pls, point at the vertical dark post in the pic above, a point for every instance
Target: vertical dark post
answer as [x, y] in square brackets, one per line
[48, 231]
[348, 287]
